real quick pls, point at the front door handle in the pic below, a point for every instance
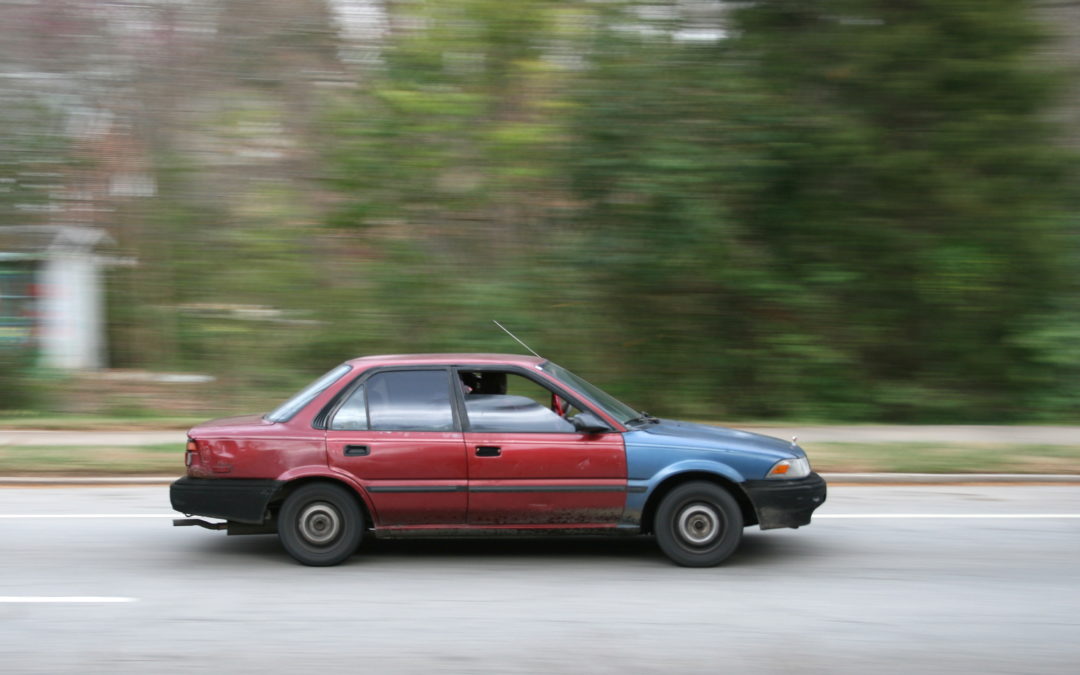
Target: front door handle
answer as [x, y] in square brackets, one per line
[488, 451]
[357, 450]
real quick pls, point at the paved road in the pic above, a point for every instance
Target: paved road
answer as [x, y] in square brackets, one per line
[931, 433]
[878, 584]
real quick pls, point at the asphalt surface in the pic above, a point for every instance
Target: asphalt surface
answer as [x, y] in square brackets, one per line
[886, 580]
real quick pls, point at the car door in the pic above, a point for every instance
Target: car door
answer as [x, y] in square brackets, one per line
[527, 464]
[396, 432]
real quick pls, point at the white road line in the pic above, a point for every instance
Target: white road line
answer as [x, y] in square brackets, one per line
[27, 599]
[19, 516]
[914, 516]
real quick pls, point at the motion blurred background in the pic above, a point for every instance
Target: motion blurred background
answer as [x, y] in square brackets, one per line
[856, 210]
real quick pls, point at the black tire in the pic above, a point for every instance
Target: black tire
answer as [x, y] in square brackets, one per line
[320, 524]
[698, 524]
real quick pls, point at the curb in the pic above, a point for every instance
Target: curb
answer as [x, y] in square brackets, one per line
[835, 478]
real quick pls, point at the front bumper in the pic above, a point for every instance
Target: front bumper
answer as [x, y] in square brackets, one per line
[786, 503]
[243, 500]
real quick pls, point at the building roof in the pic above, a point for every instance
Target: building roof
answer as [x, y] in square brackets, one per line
[35, 242]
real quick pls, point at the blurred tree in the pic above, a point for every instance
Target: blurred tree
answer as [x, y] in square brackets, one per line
[818, 208]
[844, 209]
[33, 155]
[227, 95]
[446, 161]
[917, 188]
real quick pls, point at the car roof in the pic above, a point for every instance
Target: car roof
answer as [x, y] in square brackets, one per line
[456, 359]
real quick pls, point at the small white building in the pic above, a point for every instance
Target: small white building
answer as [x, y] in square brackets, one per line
[52, 292]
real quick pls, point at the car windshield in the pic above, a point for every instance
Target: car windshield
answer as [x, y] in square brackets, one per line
[605, 401]
[306, 395]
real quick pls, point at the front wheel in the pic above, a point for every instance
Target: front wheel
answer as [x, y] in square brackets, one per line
[698, 524]
[320, 524]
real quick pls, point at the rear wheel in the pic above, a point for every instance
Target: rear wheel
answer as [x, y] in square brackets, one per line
[320, 524]
[698, 524]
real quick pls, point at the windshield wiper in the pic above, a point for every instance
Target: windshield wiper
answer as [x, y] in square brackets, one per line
[643, 418]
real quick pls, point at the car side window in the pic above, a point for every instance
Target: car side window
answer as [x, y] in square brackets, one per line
[409, 400]
[497, 401]
[352, 415]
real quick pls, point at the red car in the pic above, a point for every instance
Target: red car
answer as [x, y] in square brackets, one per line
[484, 444]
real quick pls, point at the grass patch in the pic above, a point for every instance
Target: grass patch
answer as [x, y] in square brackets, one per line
[944, 457]
[98, 423]
[42, 460]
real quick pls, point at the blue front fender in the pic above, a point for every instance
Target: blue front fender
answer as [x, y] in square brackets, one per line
[638, 491]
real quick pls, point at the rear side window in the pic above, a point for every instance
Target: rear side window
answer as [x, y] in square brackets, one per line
[306, 395]
[409, 400]
[352, 415]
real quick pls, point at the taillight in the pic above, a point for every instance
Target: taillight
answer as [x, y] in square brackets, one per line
[190, 453]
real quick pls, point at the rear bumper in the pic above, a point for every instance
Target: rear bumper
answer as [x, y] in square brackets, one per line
[242, 500]
[786, 503]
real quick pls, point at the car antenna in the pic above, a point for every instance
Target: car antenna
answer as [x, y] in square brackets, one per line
[516, 338]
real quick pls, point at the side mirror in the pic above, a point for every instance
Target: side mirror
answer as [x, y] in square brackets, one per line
[588, 423]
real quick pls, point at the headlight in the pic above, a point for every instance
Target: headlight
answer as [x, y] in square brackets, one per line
[790, 468]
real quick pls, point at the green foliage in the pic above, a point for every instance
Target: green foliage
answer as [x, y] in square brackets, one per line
[850, 210]
[31, 150]
[820, 209]
[21, 386]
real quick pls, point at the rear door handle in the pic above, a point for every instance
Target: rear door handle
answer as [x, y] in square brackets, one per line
[357, 450]
[488, 451]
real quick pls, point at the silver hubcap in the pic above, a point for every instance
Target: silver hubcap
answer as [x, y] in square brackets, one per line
[319, 523]
[698, 524]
